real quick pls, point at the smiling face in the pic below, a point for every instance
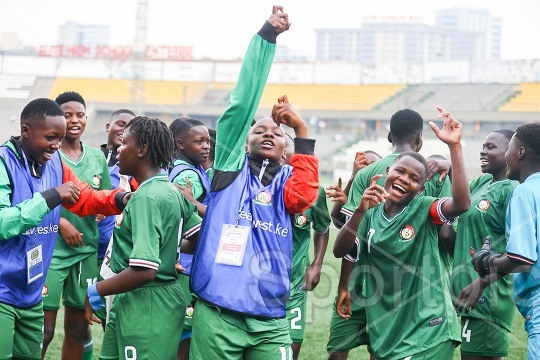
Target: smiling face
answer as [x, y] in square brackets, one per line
[195, 144]
[115, 129]
[266, 139]
[404, 180]
[41, 138]
[492, 159]
[75, 115]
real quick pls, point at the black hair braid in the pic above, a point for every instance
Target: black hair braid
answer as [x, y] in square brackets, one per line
[155, 134]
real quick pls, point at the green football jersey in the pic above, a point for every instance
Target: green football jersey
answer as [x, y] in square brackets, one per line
[149, 230]
[91, 168]
[318, 218]
[362, 180]
[408, 304]
[486, 216]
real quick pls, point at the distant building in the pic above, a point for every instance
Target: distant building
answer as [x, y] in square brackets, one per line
[73, 33]
[473, 33]
[460, 34]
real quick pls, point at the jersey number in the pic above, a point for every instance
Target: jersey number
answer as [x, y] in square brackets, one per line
[91, 281]
[130, 353]
[294, 325]
[370, 234]
[466, 333]
[286, 352]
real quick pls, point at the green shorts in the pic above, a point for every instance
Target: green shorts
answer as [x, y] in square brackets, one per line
[344, 334]
[443, 351]
[21, 332]
[297, 322]
[183, 280]
[145, 323]
[70, 283]
[220, 334]
[481, 338]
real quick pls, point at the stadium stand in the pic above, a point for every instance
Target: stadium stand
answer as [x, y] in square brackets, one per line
[15, 91]
[330, 97]
[526, 99]
[465, 97]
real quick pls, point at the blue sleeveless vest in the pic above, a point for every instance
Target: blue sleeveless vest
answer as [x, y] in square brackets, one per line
[14, 289]
[187, 259]
[177, 169]
[260, 286]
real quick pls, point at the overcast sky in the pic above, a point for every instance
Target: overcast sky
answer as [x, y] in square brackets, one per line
[222, 29]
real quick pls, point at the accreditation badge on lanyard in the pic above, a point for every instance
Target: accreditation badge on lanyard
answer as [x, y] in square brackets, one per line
[34, 263]
[232, 244]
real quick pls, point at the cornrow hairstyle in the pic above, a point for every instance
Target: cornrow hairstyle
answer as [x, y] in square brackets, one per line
[528, 135]
[68, 96]
[418, 158]
[155, 134]
[506, 133]
[181, 126]
[38, 109]
[122, 111]
[404, 123]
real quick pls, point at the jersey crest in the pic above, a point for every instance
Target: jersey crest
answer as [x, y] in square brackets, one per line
[44, 291]
[483, 205]
[300, 220]
[264, 198]
[96, 181]
[407, 233]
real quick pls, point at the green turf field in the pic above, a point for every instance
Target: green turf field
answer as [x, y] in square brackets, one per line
[318, 318]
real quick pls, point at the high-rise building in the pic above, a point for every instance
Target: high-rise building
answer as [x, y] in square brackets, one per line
[473, 33]
[73, 33]
[459, 34]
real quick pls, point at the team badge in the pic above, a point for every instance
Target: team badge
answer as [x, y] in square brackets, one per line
[96, 181]
[407, 233]
[263, 198]
[119, 219]
[44, 291]
[189, 311]
[483, 205]
[300, 220]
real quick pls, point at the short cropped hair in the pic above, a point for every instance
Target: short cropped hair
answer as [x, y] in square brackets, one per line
[529, 135]
[68, 96]
[506, 133]
[406, 122]
[38, 109]
[418, 158]
[182, 125]
[122, 111]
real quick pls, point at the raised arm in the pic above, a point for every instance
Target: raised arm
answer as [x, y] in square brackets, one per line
[234, 124]
[450, 134]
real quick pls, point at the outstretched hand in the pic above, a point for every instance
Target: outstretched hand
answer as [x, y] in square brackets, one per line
[279, 19]
[336, 194]
[450, 133]
[470, 295]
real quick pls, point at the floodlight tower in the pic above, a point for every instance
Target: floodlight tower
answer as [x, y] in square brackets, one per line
[139, 56]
